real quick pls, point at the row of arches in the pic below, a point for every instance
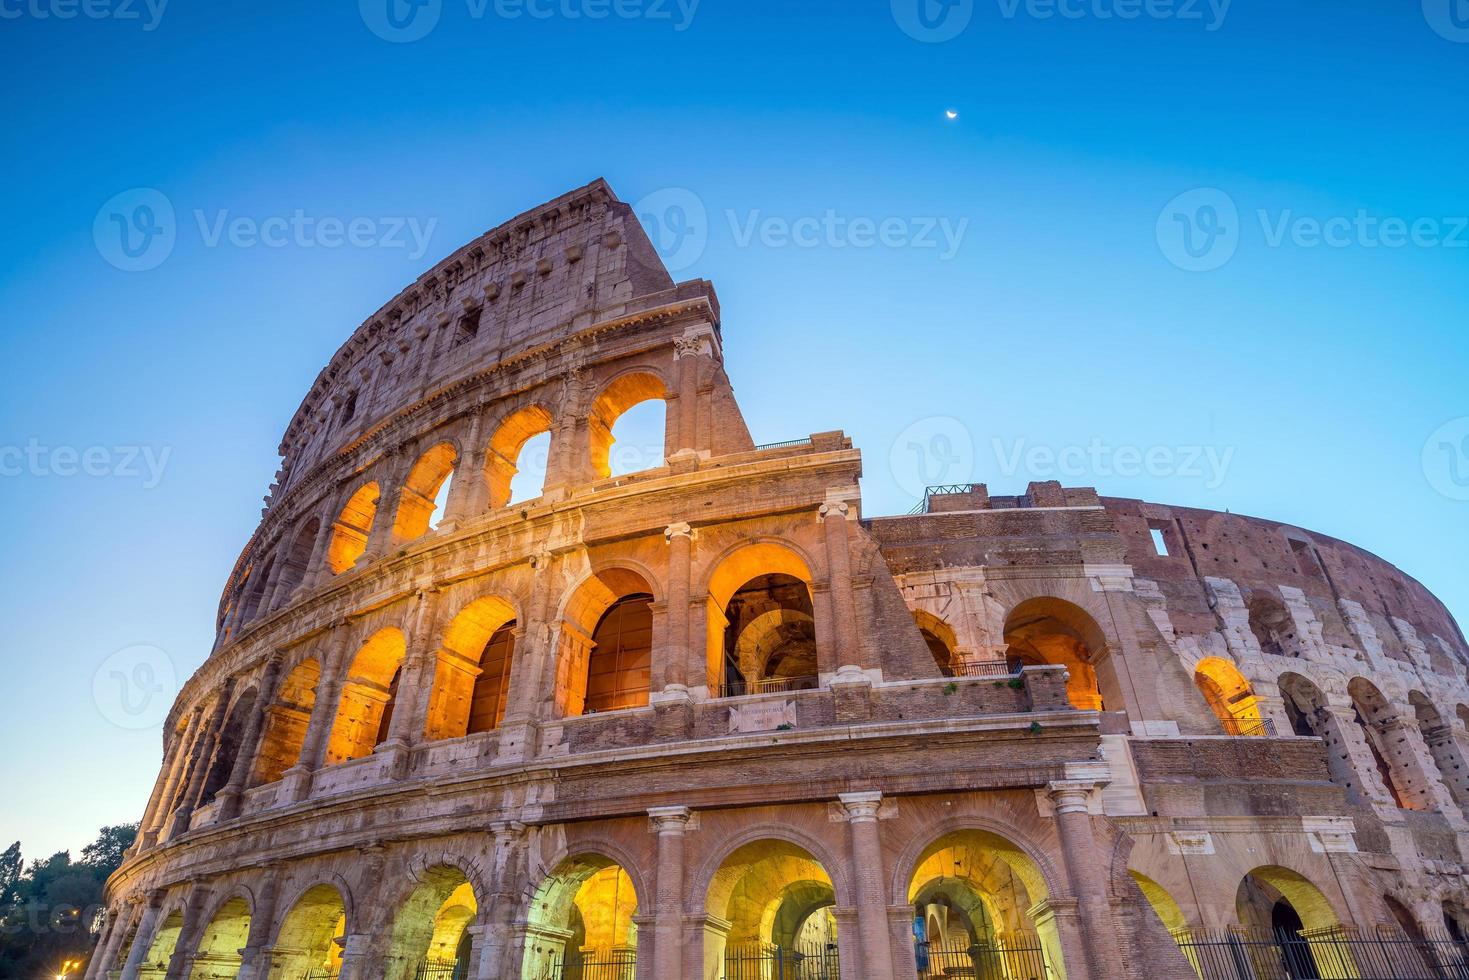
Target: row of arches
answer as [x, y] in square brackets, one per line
[627, 432]
[772, 905]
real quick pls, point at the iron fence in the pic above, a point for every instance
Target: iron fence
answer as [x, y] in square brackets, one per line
[997, 669]
[762, 961]
[1322, 954]
[942, 490]
[441, 970]
[1264, 728]
[1018, 957]
[768, 685]
[617, 964]
[320, 973]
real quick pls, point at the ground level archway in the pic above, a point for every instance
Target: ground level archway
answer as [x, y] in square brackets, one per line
[581, 923]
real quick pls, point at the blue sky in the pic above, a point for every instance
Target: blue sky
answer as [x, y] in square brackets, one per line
[1066, 317]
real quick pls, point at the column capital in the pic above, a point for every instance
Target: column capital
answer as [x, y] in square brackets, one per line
[861, 807]
[834, 508]
[506, 831]
[678, 530]
[669, 819]
[1070, 795]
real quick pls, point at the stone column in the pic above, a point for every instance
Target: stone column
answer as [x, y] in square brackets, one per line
[229, 797]
[533, 672]
[497, 940]
[839, 580]
[380, 535]
[181, 963]
[1348, 756]
[1414, 767]
[1086, 873]
[669, 822]
[1450, 750]
[255, 957]
[676, 670]
[317, 571]
[171, 754]
[687, 357]
[114, 930]
[143, 936]
[867, 872]
[410, 714]
[200, 760]
[359, 960]
[468, 493]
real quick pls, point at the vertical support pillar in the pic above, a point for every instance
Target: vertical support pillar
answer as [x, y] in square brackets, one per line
[255, 957]
[1348, 755]
[834, 515]
[687, 357]
[182, 961]
[171, 752]
[106, 952]
[669, 823]
[410, 714]
[229, 797]
[464, 501]
[867, 871]
[496, 942]
[153, 826]
[533, 672]
[1085, 872]
[143, 935]
[296, 781]
[317, 571]
[676, 669]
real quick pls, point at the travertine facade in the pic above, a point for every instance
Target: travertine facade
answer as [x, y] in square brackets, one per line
[663, 723]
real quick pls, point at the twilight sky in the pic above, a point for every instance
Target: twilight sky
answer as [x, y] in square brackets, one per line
[1206, 253]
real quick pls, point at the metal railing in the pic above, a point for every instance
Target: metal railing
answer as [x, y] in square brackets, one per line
[768, 685]
[1017, 957]
[943, 489]
[441, 970]
[762, 961]
[997, 669]
[1264, 728]
[1314, 955]
[781, 445]
[320, 973]
[617, 964]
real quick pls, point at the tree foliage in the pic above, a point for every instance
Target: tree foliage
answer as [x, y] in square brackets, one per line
[50, 911]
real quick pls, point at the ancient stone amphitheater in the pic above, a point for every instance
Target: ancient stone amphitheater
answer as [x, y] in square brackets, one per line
[709, 720]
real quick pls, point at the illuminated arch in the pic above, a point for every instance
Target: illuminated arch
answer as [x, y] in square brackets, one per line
[941, 641]
[1162, 903]
[773, 892]
[161, 945]
[1048, 630]
[218, 953]
[227, 749]
[503, 456]
[777, 577]
[621, 394]
[583, 912]
[365, 710]
[1263, 887]
[605, 656]
[1230, 696]
[473, 669]
[308, 936]
[430, 927]
[297, 560]
[418, 498]
[352, 527]
[286, 722]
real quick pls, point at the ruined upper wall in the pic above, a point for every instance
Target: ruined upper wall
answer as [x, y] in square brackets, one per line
[1268, 561]
[543, 275]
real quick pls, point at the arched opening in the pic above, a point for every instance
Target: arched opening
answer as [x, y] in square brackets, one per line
[349, 532]
[580, 924]
[1373, 712]
[606, 657]
[778, 901]
[761, 622]
[1280, 905]
[1168, 910]
[972, 892]
[1438, 735]
[472, 678]
[629, 413]
[1229, 696]
[1273, 627]
[218, 956]
[422, 497]
[297, 559]
[1052, 631]
[365, 711]
[284, 732]
[514, 468]
[161, 946]
[430, 937]
[309, 941]
[941, 641]
[228, 748]
[255, 585]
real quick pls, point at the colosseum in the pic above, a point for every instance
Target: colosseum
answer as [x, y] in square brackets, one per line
[707, 720]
